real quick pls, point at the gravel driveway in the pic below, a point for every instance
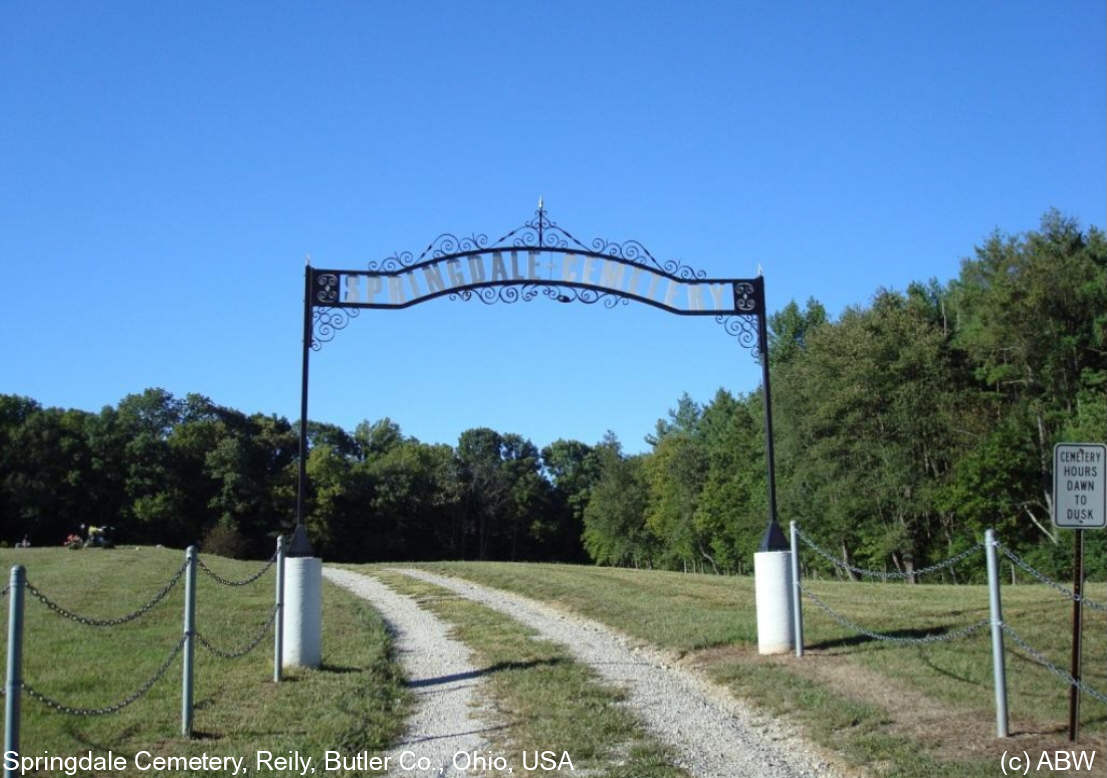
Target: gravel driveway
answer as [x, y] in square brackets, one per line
[713, 735]
[438, 670]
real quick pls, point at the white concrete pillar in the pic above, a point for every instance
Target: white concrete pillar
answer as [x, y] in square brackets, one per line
[772, 573]
[302, 614]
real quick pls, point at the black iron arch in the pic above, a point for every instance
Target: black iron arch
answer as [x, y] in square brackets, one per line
[537, 259]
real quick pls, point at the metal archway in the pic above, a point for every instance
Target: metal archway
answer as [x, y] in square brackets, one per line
[538, 258]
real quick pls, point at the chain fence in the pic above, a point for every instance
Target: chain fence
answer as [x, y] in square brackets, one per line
[994, 621]
[1041, 659]
[184, 644]
[72, 710]
[236, 654]
[1043, 578]
[937, 637]
[1033, 653]
[884, 574]
[244, 581]
[89, 621]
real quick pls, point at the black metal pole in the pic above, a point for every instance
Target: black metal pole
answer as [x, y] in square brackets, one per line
[1077, 631]
[300, 546]
[773, 539]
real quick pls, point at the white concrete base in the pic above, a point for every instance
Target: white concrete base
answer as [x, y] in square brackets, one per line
[302, 615]
[772, 572]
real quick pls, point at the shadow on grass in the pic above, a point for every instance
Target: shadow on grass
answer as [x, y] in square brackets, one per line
[952, 675]
[338, 669]
[862, 640]
[208, 736]
[292, 674]
[496, 668]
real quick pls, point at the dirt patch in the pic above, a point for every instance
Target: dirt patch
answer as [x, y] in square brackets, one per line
[946, 732]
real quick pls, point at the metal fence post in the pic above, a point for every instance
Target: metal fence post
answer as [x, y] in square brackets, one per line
[999, 670]
[189, 638]
[13, 684]
[278, 625]
[797, 612]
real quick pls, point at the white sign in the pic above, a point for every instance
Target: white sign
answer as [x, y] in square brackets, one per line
[1080, 485]
[410, 285]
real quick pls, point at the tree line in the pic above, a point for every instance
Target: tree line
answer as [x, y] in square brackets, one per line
[161, 469]
[904, 428]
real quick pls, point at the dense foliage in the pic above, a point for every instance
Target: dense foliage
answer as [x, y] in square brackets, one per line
[157, 469]
[904, 428]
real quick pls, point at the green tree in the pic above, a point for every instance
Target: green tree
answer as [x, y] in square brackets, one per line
[504, 492]
[45, 472]
[377, 437]
[788, 329]
[1032, 321]
[675, 473]
[732, 509]
[573, 468]
[615, 530]
[415, 508]
[869, 430]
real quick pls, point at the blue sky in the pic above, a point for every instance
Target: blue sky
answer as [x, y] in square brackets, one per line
[166, 167]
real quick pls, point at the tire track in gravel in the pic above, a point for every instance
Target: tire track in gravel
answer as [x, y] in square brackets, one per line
[713, 734]
[446, 717]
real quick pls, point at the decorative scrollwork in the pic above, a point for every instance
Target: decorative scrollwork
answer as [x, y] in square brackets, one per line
[527, 292]
[468, 294]
[540, 232]
[675, 268]
[328, 288]
[510, 294]
[631, 251]
[536, 234]
[743, 329]
[498, 294]
[745, 297]
[445, 244]
[393, 263]
[568, 294]
[527, 237]
[327, 321]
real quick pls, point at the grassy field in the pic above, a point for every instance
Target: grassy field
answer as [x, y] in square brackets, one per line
[543, 698]
[886, 709]
[893, 710]
[355, 701]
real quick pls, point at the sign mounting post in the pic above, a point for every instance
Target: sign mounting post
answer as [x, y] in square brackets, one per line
[1080, 503]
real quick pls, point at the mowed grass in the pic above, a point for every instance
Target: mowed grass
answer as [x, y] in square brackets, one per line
[912, 710]
[892, 710]
[543, 699]
[355, 701]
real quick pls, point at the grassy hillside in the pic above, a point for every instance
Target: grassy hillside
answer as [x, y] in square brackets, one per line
[355, 701]
[891, 709]
[897, 710]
